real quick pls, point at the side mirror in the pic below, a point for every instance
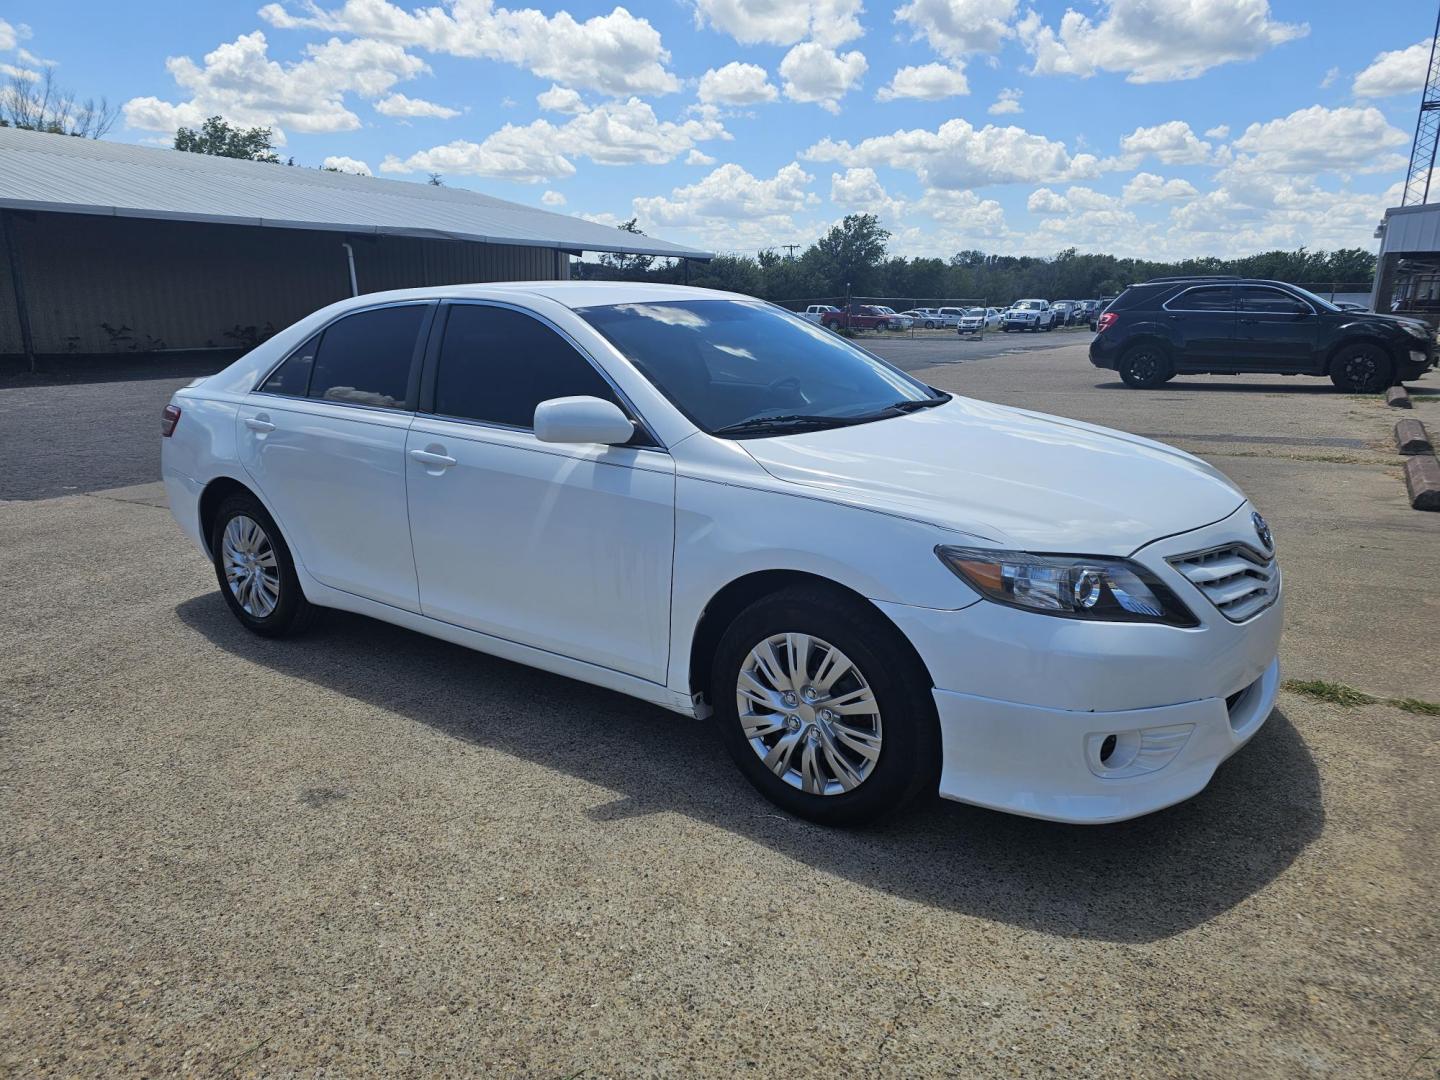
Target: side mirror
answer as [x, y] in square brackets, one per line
[582, 420]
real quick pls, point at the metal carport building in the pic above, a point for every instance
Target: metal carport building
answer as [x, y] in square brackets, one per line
[111, 248]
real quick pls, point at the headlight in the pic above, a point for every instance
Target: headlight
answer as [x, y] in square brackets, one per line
[1069, 586]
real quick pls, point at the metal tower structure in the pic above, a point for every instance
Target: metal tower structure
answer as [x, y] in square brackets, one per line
[1427, 131]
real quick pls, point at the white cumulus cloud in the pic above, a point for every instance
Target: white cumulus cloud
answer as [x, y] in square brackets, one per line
[341, 163]
[814, 73]
[954, 28]
[400, 105]
[620, 133]
[1146, 187]
[736, 84]
[783, 22]
[1318, 139]
[553, 198]
[239, 81]
[958, 155]
[616, 54]
[1155, 40]
[1399, 72]
[1173, 143]
[1007, 102]
[929, 82]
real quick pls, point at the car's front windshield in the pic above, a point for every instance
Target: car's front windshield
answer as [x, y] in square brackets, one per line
[975, 311]
[728, 362]
[1318, 301]
[1027, 305]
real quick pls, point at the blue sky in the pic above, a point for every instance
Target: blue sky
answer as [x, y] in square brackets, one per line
[1165, 128]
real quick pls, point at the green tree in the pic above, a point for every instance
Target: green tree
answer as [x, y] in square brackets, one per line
[40, 104]
[849, 255]
[628, 265]
[219, 138]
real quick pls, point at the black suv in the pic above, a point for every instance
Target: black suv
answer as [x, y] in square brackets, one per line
[1230, 326]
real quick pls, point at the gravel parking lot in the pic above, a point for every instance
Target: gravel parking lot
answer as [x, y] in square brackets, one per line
[367, 852]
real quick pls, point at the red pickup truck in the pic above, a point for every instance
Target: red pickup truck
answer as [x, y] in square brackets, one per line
[855, 317]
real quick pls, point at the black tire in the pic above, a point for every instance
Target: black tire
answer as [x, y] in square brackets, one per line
[908, 760]
[1144, 366]
[929, 324]
[291, 612]
[1362, 369]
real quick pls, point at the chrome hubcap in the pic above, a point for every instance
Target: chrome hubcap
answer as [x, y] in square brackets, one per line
[809, 713]
[250, 567]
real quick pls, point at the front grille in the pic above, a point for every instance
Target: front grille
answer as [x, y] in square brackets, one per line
[1237, 579]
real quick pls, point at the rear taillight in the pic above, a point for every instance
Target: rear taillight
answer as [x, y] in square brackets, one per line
[168, 419]
[1105, 322]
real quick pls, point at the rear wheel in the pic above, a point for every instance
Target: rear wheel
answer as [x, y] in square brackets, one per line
[1362, 369]
[255, 570]
[1144, 366]
[824, 707]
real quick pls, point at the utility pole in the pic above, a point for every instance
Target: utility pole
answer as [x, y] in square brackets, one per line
[791, 249]
[1427, 133]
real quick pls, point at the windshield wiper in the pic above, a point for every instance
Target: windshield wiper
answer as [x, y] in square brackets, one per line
[788, 422]
[913, 406]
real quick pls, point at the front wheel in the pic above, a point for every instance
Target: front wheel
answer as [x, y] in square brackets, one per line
[824, 707]
[255, 570]
[1144, 367]
[1362, 369]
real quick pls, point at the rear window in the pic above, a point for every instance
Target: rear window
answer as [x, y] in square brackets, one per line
[1134, 296]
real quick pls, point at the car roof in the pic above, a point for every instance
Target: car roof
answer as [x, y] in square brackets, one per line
[572, 294]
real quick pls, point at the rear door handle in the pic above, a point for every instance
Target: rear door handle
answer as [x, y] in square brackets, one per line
[435, 461]
[259, 423]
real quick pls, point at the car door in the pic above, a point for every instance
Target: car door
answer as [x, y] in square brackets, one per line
[1201, 322]
[566, 548]
[1275, 330]
[323, 437]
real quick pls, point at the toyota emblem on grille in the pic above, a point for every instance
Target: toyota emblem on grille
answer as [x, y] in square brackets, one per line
[1262, 530]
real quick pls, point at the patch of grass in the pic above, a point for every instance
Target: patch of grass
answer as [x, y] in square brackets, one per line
[1415, 705]
[1347, 696]
[1333, 692]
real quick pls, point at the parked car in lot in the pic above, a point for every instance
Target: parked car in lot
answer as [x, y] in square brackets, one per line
[1028, 315]
[871, 588]
[936, 318]
[1226, 326]
[816, 312]
[1099, 309]
[978, 319]
[855, 317]
[896, 320]
[1064, 311]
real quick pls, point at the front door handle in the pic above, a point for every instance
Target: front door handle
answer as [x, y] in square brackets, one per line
[259, 423]
[433, 460]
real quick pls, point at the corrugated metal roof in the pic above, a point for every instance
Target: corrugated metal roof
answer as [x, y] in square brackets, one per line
[1412, 228]
[85, 176]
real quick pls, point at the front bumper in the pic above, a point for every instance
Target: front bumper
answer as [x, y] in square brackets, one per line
[1045, 763]
[1026, 701]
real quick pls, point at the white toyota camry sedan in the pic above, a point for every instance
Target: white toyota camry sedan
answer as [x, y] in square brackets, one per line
[872, 588]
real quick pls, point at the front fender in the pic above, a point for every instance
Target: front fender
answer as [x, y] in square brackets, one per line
[724, 532]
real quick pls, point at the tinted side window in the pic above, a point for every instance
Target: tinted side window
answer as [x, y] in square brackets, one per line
[365, 358]
[1209, 298]
[1273, 301]
[292, 378]
[497, 364]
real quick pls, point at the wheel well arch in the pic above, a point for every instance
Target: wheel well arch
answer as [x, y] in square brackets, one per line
[1358, 339]
[216, 492]
[739, 594]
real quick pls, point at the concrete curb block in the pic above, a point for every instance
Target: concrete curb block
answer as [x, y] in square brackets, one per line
[1412, 438]
[1397, 397]
[1422, 480]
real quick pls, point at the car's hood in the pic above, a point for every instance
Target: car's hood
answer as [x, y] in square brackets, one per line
[1016, 478]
